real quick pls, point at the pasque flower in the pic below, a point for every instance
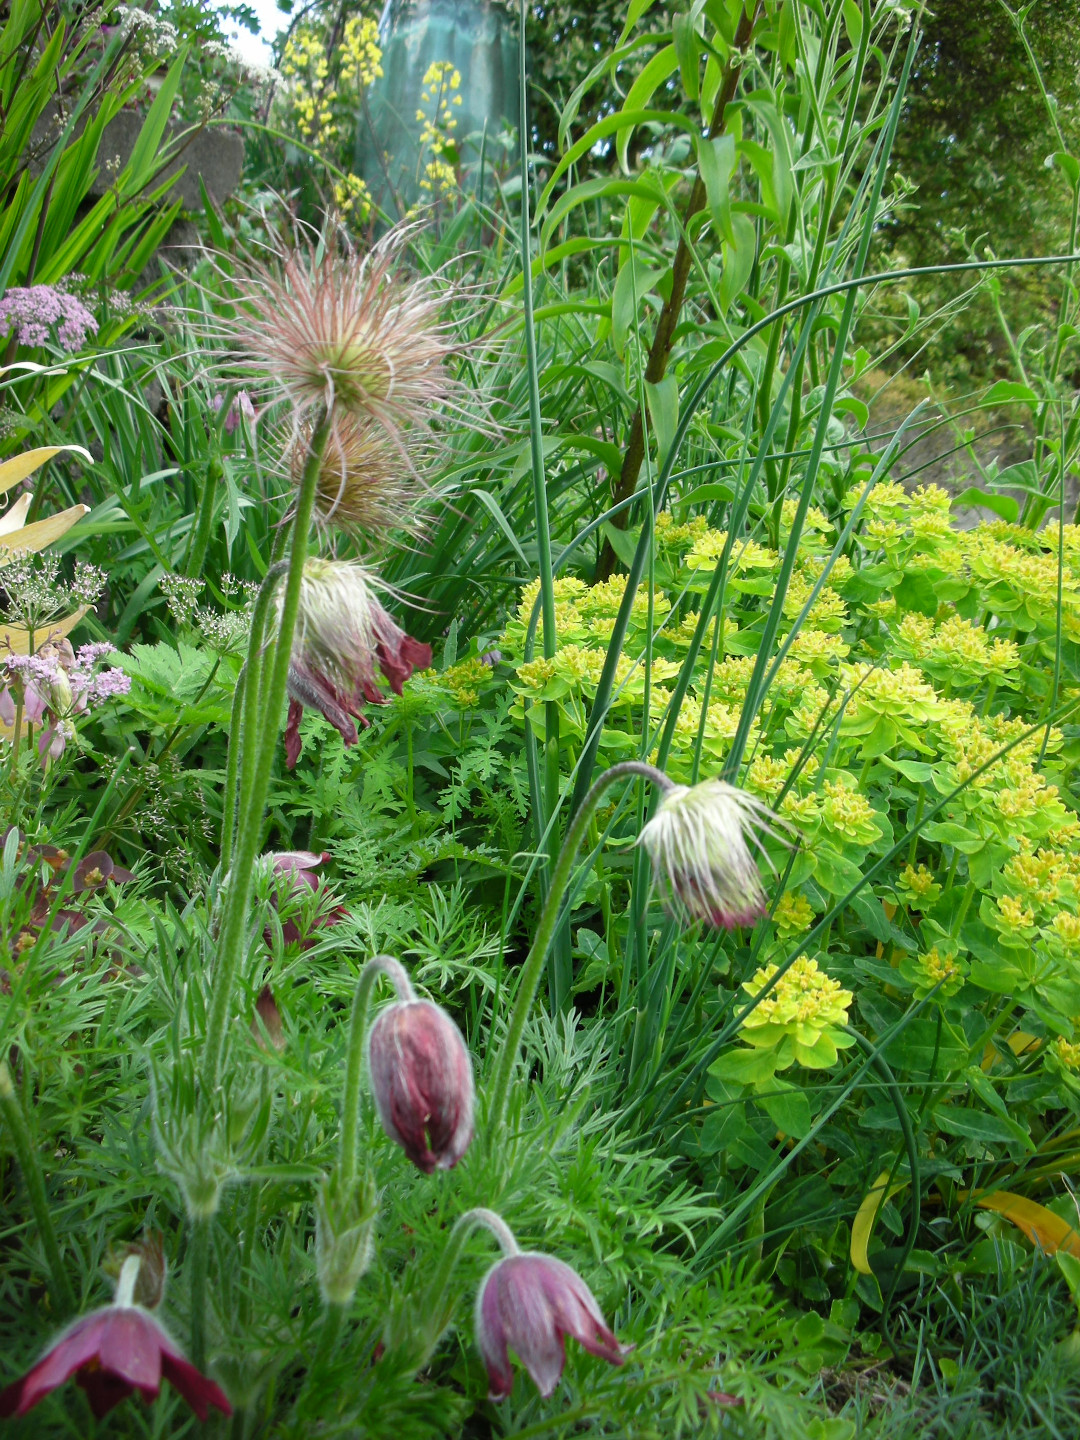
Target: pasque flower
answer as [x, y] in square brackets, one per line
[529, 1303]
[296, 870]
[422, 1083]
[112, 1353]
[699, 843]
[343, 635]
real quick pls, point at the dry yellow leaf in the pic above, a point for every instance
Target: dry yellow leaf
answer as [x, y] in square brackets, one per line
[863, 1225]
[20, 466]
[43, 532]
[1036, 1221]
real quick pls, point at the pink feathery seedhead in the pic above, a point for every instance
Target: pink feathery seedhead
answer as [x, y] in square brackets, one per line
[348, 333]
[698, 844]
[113, 1353]
[369, 484]
[422, 1083]
[343, 637]
[529, 1303]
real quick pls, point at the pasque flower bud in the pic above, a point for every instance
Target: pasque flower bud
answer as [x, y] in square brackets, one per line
[529, 1303]
[422, 1083]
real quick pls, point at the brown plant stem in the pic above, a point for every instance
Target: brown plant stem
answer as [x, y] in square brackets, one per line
[663, 340]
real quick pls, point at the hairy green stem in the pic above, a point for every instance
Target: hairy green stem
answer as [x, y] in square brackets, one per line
[241, 873]
[35, 1187]
[463, 1227]
[350, 1099]
[200, 1265]
[533, 967]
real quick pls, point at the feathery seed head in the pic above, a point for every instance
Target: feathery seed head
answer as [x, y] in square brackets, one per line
[699, 844]
[347, 332]
[367, 485]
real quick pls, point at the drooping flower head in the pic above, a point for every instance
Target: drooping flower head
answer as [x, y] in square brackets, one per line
[343, 637]
[297, 871]
[529, 1303]
[112, 1353]
[347, 332]
[422, 1083]
[699, 843]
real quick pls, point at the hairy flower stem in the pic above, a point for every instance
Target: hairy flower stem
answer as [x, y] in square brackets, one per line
[26, 1155]
[545, 930]
[241, 871]
[244, 721]
[200, 1264]
[463, 1227]
[350, 1100]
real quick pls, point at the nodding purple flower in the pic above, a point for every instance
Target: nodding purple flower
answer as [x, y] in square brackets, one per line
[241, 408]
[34, 312]
[422, 1083]
[297, 868]
[343, 636]
[529, 1303]
[698, 844]
[112, 1353]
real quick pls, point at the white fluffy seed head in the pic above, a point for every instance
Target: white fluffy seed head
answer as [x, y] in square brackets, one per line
[699, 843]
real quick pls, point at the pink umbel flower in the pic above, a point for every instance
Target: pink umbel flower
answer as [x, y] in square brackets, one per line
[343, 637]
[346, 332]
[112, 1353]
[529, 1303]
[699, 843]
[240, 409]
[54, 684]
[37, 312]
[422, 1083]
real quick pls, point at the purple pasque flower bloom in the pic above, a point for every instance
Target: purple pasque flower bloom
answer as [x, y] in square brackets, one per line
[33, 312]
[422, 1083]
[297, 869]
[241, 408]
[529, 1303]
[343, 636]
[112, 1353]
[699, 844]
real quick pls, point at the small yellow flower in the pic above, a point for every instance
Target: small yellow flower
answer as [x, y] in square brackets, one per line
[793, 914]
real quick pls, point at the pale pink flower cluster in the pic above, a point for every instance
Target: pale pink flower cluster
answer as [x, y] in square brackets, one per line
[34, 313]
[54, 684]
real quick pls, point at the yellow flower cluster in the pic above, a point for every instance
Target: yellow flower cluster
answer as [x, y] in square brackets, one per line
[1068, 1052]
[464, 681]
[956, 651]
[917, 887]
[353, 198]
[800, 1017]
[942, 974]
[793, 914]
[361, 57]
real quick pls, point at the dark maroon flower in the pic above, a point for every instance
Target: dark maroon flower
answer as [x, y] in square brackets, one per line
[529, 1303]
[112, 1353]
[343, 637]
[422, 1082]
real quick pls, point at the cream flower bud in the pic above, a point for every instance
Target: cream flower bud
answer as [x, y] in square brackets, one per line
[422, 1083]
[699, 844]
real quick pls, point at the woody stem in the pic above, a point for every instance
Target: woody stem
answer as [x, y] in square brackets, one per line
[533, 968]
